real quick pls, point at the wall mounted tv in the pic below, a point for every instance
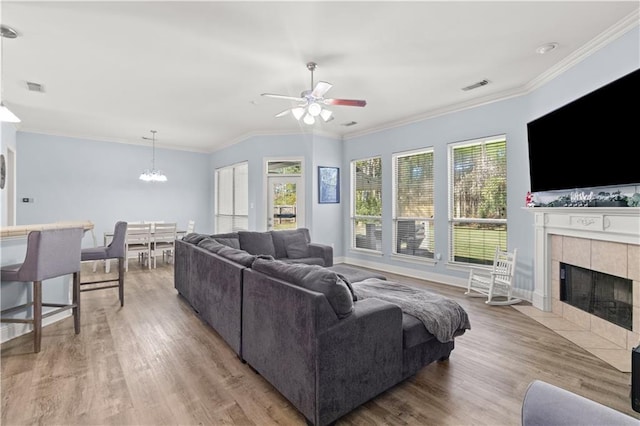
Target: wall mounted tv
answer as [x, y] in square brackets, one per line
[591, 142]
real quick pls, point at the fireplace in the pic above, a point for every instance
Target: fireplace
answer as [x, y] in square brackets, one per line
[606, 296]
[604, 240]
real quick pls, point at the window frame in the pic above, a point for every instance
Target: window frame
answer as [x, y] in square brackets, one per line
[427, 222]
[233, 217]
[496, 227]
[368, 219]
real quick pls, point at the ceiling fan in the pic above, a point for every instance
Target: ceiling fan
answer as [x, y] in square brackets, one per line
[312, 101]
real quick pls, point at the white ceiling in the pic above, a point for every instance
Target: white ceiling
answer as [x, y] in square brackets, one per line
[194, 71]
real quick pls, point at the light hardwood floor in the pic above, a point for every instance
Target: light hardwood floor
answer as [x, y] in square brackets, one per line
[154, 362]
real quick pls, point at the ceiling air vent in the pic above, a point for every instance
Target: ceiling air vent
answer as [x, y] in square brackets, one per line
[476, 85]
[350, 123]
[35, 87]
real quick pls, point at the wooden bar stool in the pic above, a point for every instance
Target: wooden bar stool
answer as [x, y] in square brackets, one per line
[50, 253]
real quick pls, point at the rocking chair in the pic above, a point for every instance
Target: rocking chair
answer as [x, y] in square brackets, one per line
[496, 283]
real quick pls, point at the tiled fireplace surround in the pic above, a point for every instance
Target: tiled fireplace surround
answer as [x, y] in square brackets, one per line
[602, 239]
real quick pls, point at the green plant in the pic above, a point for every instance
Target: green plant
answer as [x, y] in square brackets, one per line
[634, 200]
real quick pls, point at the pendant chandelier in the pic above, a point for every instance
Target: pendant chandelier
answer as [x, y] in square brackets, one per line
[5, 113]
[153, 175]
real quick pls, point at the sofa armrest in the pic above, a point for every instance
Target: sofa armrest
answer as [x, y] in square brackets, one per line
[358, 358]
[322, 250]
[323, 365]
[546, 404]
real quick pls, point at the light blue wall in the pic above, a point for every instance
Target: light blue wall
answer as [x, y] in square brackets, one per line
[78, 179]
[326, 224]
[498, 118]
[324, 221]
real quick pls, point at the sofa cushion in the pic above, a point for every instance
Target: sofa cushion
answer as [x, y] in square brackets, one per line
[230, 242]
[210, 244]
[236, 255]
[280, 244]
[311, 277]
[414, 332]
[296, 246]
[194, 238]
[257, 242]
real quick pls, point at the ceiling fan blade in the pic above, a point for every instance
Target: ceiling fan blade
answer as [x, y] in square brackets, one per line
[321, 88]
[283, 113]
[290, 98]
[345, 102]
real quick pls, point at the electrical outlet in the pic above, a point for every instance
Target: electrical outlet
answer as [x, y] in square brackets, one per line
[438, 256]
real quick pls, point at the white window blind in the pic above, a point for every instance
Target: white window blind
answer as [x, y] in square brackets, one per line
[478, 200]
[366, 206]
[232, 198]
[413, 204]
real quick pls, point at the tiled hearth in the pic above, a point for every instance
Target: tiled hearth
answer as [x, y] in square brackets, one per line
[607, 241]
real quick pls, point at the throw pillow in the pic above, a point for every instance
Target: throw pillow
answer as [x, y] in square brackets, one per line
[296, 246]
[348, 284]
[210, 244]
[257, 242]
[236, 255]
[194, 238]
[230, 242]
[311, 277]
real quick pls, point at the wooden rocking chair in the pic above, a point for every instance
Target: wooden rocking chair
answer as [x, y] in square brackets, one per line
[496, 283]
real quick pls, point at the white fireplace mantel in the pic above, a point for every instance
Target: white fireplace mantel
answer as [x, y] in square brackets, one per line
[615, 224]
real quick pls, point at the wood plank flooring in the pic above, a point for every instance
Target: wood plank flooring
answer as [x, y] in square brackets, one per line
[154, 362]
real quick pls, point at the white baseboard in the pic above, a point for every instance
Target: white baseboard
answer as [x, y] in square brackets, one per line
[12, 330]
[409, 272]
[437, 278]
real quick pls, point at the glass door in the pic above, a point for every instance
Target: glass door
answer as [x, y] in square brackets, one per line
[286, 203]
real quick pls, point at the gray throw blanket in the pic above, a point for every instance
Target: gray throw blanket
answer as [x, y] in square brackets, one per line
[442, 317]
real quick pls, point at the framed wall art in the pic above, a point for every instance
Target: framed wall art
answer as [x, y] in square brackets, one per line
[328, 185]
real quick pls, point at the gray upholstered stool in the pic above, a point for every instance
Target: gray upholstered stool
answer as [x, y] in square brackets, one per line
[50, 253]
[115, 250]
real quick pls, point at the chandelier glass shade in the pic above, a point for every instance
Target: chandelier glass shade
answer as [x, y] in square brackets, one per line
[310, 112]
[153, 175]
[5, 113]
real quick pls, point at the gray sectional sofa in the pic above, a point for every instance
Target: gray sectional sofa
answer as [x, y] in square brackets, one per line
[299, 323]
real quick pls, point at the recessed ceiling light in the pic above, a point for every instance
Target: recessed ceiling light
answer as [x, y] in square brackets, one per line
[546, 48]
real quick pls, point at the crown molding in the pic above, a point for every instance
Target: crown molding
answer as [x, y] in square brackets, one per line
[608, 36]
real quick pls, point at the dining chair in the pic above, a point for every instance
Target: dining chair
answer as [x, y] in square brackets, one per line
[138, 243]
[50, 253]
[163, 241]
[115, 250]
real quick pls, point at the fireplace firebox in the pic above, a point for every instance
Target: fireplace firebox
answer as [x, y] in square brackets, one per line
[606, 296]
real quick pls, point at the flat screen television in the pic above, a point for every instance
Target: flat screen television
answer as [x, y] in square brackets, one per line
[593, 141]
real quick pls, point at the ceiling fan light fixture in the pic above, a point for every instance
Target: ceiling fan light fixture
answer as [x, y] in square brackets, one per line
[308, 119]
[297, 113]
[326, 114]
[314, 109]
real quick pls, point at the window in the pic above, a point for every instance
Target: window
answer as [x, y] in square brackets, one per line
[413, 204]
[366, 206]
[478, 200]
[232, 198]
